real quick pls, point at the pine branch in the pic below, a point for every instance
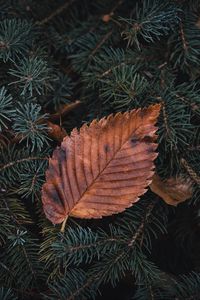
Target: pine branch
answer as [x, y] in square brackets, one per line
[63, 110]
[193, 106]
[193, 175]
[140, 231]
[100, 44]
[165, 119]
[90, 280]
[183, 38]
[55, 13]
[18, 161]
[34, 276]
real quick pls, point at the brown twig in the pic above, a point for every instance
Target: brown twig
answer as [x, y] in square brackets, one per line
[58, 11]
[165, 118]
[65, 109]
[79, 290]
[185, 46]
[194, 148]
[140, 229]
[95, 245]
[111, 69]
[12, 163]
[102, 41]
[193, 106]
[193, 175]
[162, 65]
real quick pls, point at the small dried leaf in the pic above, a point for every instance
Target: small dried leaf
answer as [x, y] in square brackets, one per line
[106, 18]
[56, 132]
[173, 190]
[104, 168]
[198, 23]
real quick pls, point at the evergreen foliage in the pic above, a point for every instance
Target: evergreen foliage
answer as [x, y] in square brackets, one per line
[113, 56]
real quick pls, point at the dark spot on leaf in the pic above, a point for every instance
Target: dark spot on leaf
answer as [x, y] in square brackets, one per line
[134, 141]
[63, 155]
[150, 150]
[147, 139]
[55, 196]
[51, 169]
[106, 148]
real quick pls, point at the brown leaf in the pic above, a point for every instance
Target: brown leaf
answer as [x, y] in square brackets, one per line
[173, 190]
[106, 18]
[56, 132]
[102, 169]
[198, 23]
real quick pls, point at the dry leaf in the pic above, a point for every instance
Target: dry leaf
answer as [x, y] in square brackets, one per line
[198, 23]
[56, 132]
[102, 169]
[173, 190]
[106, 18]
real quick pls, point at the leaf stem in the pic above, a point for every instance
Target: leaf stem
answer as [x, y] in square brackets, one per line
[63, 225]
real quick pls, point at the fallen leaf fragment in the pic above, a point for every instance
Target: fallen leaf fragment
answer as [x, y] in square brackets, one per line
[173, 190]
[106, 18]
[56, 132]
[104, 168]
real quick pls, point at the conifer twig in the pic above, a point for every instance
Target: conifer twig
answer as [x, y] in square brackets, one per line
[65, 109]
[96, 244]
[12, 163]
[90, 280]
[30, 266]
[55, 13]
[193, 106]
[185, 46]
[194, 176]
[140, 230]
[102, 41]
[165, 118]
